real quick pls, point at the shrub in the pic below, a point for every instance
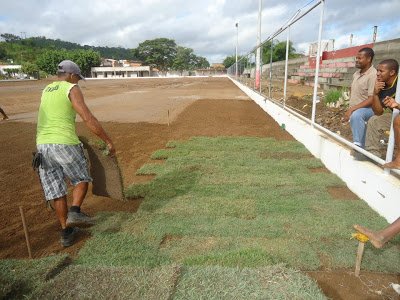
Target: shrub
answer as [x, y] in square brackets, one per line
[332, 96]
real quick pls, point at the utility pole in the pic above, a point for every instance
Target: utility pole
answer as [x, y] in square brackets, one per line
[237, 43]
[374, 35]
[351, 40]
[258, 60]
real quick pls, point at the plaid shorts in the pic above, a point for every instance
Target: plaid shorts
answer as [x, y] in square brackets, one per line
[61, 162]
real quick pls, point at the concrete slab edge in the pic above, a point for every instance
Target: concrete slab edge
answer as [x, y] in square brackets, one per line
[367, 180]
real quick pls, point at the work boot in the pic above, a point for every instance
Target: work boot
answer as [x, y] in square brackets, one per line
[68, 236]
[78, 218]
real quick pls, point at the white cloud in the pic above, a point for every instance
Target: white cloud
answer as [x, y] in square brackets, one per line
[207, 26]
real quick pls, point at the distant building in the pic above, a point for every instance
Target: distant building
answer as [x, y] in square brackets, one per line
[215, 69]
[218, 66]
[112, 68]
[109, 62]
[120, 72]
[13, 71]
[131, 63]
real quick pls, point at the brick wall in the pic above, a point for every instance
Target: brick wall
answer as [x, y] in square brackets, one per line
[336, 67]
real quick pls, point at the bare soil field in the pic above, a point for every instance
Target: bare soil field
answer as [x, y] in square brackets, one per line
[141, 116]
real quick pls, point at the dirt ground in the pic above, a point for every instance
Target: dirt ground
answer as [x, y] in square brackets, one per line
[299, 98]
[141, 116]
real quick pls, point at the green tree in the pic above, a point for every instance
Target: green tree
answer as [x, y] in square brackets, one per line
[278, 51]
[3, 52]
[229, 61]
[85, 59]
[9, 38]
[185, 59]
[159, 53]
[29, 49]
[30, 69]
[201, 62]
[49, 60]
[266, 52]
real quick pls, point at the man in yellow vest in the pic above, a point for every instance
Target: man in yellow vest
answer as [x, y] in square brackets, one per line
[62, 153]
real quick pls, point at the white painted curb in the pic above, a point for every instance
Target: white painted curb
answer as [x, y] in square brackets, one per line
[365, 179]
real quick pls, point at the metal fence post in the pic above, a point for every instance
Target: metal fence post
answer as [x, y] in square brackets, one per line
[317, 63]
[286, 68]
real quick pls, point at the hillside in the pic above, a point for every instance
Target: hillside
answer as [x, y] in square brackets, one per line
[39, 56]
[21, 50]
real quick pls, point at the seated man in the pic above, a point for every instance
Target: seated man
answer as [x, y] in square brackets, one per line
[382, 105]
[361, 94]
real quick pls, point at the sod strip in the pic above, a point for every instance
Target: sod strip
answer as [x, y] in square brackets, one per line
[274, 282]
[19, 277]
[80, 282]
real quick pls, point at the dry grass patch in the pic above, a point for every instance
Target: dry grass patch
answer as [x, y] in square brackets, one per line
[341, 193]
[82, 282]
[319, 170]
[273, 282]
[285, 155]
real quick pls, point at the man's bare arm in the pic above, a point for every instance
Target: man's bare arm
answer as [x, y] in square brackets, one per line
[377, 106]
[376, 103]
[90, 120]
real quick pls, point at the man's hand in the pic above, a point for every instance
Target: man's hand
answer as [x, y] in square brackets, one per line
[379, 85]
[347, 115]
[111, 148]
[390, 102]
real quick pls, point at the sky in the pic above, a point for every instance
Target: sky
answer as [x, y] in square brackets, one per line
[206, 26]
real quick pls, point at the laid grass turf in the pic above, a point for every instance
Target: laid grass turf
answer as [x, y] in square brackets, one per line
[224, 218]
[257, 201]
[273, 282]
[81, 282]
[20, 277]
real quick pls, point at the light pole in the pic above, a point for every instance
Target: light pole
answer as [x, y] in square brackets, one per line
[374, 35]
[237, 43]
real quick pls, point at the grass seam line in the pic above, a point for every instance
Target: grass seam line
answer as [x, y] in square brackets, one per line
[175, 279]
[61, 266]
